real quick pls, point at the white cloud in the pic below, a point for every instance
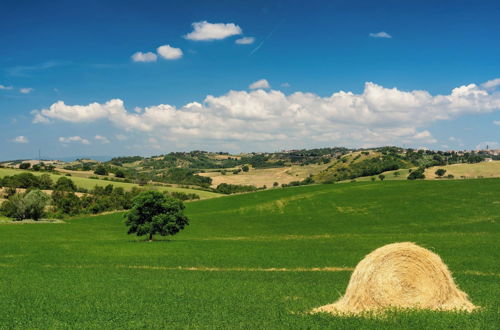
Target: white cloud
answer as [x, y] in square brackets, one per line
[262, 83]
[496, 122]
[285, 85]
[76, 139]
[381, 34]
[144, 57]
[245, 41]
[120, 137]
[377, 116]
[204, 31]
[26, 90]
[5, 87]
[169, 53]
[20, 139]
[101, 139]
[491, 84]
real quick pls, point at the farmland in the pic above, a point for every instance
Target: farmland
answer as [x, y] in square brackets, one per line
[259, 260]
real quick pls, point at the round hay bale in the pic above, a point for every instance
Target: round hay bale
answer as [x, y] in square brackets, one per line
[400, 275]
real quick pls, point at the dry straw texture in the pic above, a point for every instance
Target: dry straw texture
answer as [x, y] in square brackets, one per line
[400, 275]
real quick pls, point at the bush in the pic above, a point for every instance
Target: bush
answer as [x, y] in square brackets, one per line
[24, 166]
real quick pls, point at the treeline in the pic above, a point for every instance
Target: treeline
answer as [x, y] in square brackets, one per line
[66, 198]
[365, 167]
[226, 188]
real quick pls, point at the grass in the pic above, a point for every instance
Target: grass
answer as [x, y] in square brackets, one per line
[88, 183]
[468, 171]
[87, 273]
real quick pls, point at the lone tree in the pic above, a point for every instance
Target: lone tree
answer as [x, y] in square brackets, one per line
[440, 172]
[156, 213]
[381, 177]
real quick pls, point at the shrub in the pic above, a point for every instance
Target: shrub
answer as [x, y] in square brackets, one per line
[24, 166]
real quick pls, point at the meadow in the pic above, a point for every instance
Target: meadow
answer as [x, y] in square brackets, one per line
[89, 183]
[258, 260]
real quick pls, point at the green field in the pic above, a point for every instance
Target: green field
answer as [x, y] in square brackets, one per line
[88, 183]
[252, 260]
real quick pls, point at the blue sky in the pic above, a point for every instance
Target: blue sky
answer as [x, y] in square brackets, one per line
[406, 70]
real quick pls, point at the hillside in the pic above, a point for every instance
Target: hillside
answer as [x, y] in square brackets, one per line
[259, 260]
[88, 183]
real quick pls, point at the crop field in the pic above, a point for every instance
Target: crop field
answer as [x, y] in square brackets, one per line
[266, 176]
[260, 260]
[91, 183]
[468, 171]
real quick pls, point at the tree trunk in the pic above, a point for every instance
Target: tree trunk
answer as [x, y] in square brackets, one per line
[150, 237]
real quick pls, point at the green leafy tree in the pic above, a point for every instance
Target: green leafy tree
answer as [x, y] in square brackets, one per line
[26, 206]
[440, 172]
[35, 202]
[15, 207]
[381, 177]
[65, 184]
[24, 166]
[66, 202]
[119, 173]
[417, 174]
[156, 213]
[245, 168]
[100, 170]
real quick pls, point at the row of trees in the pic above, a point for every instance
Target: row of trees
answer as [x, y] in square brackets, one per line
[65, 199]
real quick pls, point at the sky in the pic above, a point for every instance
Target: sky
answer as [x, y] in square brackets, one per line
[82, 78]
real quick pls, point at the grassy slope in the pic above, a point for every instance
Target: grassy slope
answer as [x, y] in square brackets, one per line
[81, 274]
[90, 183]
[484, 169]
[266, 176]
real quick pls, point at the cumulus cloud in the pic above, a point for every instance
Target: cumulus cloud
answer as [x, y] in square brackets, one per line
[20, 139]
[75, 139]
[169, 53]
[377, 116]
[101, 139]
[262, 83]
[245, 41]
[144, 57]
[5, 87]
[381, 34]
[205, 31]
[26, 90]
[491, 84]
